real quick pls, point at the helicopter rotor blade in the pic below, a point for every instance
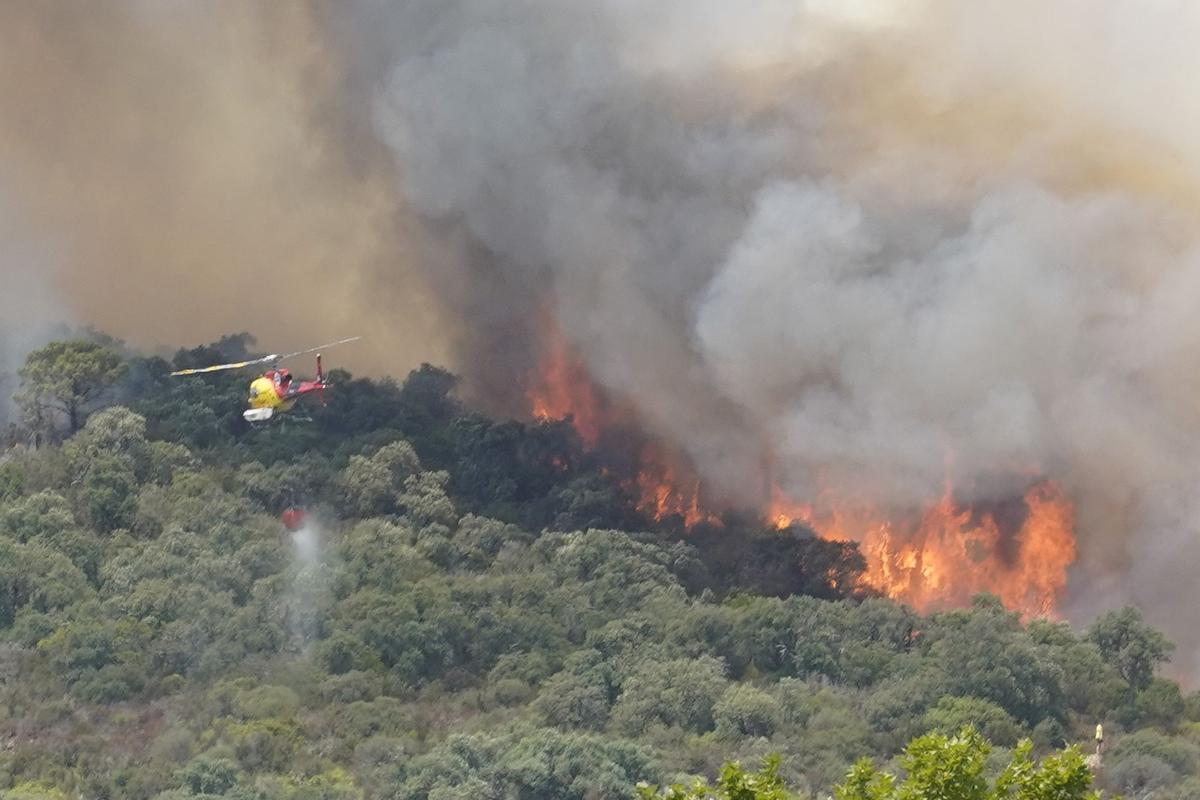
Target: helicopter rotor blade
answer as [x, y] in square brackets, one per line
[271, 359]
[219, 367]
[319, 348]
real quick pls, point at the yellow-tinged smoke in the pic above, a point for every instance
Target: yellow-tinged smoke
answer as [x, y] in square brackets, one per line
[839, 238]
[196, 174]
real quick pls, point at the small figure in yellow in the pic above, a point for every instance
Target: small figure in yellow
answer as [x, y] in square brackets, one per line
[1099, 739]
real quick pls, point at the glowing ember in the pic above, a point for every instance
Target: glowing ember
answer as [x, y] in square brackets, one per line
[946, 554]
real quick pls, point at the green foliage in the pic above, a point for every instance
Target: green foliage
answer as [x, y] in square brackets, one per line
[66, 378]
[1090, 684]
[372, 485]
[479, 540]
[778, 563]
[426, 503]
[580, 696]
[734, 783]
[114, 431]
[955, 768]
[955, 713]
[680, 692]
[381, 554]
[31, 790]
[1181, 755]
[12, 480]
[38, 516]
[101, 662]
[525, 763]
[478, 609]
[264, 702]
[1131, 646]
[1160, 703]
[746, 711]
[46, 518]
[209, 776]
[264, 745]
[36, 578]
[986, 654]
[108, 493]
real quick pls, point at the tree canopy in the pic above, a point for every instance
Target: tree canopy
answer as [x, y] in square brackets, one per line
[479, 609]
[941, 767]
[66, 377]
[936, 767]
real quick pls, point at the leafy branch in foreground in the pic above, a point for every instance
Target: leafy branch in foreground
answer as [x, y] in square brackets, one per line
[938, 767]
[734, 783]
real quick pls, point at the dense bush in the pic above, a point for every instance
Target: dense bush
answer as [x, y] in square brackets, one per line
[476, 610]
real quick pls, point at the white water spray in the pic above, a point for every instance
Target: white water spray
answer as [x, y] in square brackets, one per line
[306, 545]
[309, 594]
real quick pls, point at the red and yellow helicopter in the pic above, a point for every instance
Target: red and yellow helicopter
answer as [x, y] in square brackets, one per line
[274, 392]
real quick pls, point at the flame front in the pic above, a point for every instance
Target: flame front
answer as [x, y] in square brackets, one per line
[934, 558]
[947, 553]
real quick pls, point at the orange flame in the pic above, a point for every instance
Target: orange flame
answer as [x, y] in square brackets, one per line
[946, 554]
[561, 388]
[935, 558]
[661, 494]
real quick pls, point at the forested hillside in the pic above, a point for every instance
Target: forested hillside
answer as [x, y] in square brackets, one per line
[475, 609]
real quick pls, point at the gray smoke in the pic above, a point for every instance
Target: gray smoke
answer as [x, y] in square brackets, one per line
[194, 168]
[850, 240]
[31, 307]
[842, 241]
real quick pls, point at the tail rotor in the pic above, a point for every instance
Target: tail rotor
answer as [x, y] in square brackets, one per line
[321, 382]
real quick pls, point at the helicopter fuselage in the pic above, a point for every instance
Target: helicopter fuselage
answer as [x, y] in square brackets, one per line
[275, 392]
[265, 392]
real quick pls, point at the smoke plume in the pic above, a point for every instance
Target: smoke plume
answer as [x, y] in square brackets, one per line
[29, 306]
[826, 245]
[845, 242]
[193, 167]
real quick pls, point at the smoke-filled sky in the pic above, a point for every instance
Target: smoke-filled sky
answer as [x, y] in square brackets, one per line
[849, 240]
[191, 167]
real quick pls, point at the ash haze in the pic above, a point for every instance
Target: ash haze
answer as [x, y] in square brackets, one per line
[28, 305]
[192, 167]
[853, 244]
[850, 240]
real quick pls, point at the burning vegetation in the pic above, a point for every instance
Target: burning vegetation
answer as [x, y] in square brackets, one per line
[456, 552]
[944, 554]
[560, 389]
[932, 557]
[835, 238]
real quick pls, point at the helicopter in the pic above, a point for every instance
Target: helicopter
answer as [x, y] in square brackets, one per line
[275, 392]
